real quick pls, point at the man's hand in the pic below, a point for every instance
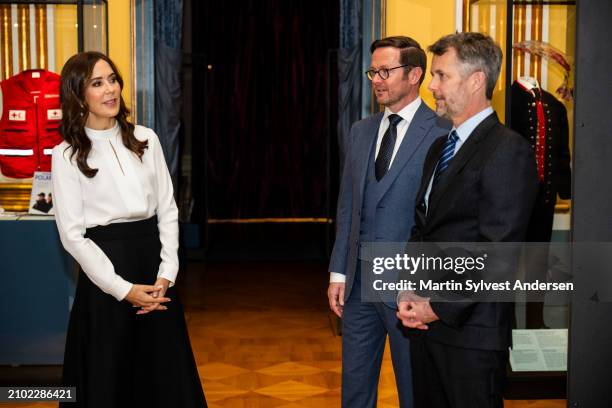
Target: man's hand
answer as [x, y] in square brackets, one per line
[416, 314]
[335, 294]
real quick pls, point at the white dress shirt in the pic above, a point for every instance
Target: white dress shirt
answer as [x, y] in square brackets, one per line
[463, 133]
[407, 114]
[124, 189]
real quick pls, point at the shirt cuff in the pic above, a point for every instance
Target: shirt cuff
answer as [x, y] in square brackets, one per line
[170, 277]
[335, 277]
[121, 289]
[169, 271]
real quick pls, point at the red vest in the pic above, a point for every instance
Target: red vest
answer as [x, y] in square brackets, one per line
[29, 127]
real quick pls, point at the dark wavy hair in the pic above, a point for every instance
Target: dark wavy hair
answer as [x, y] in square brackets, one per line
[411, 52]
[76, 73]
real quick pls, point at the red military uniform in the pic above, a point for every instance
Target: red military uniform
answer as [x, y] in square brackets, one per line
[29, 127]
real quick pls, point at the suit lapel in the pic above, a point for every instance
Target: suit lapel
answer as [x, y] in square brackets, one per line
[367, 143]
[430, 166]
[465, 153]
[420, 125]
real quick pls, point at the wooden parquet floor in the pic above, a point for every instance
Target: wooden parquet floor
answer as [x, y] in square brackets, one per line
[262, 338]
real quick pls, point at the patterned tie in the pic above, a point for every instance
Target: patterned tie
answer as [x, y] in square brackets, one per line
[448, 151]
[386, 147]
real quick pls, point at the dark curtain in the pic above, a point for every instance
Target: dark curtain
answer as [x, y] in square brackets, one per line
[168, 96]
[349, 71]
[266, 106]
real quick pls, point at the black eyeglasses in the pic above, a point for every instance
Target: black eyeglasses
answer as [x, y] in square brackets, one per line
[383, 73]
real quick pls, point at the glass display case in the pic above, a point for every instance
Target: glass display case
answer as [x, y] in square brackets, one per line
[534, 96]
[39, 36]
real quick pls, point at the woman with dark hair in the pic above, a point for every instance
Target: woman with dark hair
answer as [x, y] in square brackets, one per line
[127, 342]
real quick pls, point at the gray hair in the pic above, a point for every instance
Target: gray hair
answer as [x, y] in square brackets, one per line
[475, 52]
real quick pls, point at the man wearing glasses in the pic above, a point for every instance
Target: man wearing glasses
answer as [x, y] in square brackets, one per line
[381, 175]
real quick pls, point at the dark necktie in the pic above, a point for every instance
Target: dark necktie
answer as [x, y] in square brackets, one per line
[448, 151]
[386, 147]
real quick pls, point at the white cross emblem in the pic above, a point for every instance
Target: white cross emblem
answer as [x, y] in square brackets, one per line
[17, 115]
[54, 114]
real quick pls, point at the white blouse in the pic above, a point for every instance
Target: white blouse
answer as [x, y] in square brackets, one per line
[124, 189]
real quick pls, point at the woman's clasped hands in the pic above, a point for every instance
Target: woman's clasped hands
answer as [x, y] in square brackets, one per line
[149, 297]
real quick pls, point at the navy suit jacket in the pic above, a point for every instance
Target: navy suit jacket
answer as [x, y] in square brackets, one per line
[394, 213]
[485, 195]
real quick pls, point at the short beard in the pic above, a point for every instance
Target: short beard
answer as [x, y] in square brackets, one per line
[385, 103]
[444, 114]
[449, 112]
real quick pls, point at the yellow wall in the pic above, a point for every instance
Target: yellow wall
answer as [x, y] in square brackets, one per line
[425, 21]
[119, 42]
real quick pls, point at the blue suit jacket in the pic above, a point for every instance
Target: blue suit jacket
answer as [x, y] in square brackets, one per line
[394, 214]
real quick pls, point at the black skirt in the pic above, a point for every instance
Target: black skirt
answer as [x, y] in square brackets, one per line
[116, 358]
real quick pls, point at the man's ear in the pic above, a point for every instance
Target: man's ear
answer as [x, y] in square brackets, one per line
[478, 80]
[415, 75]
